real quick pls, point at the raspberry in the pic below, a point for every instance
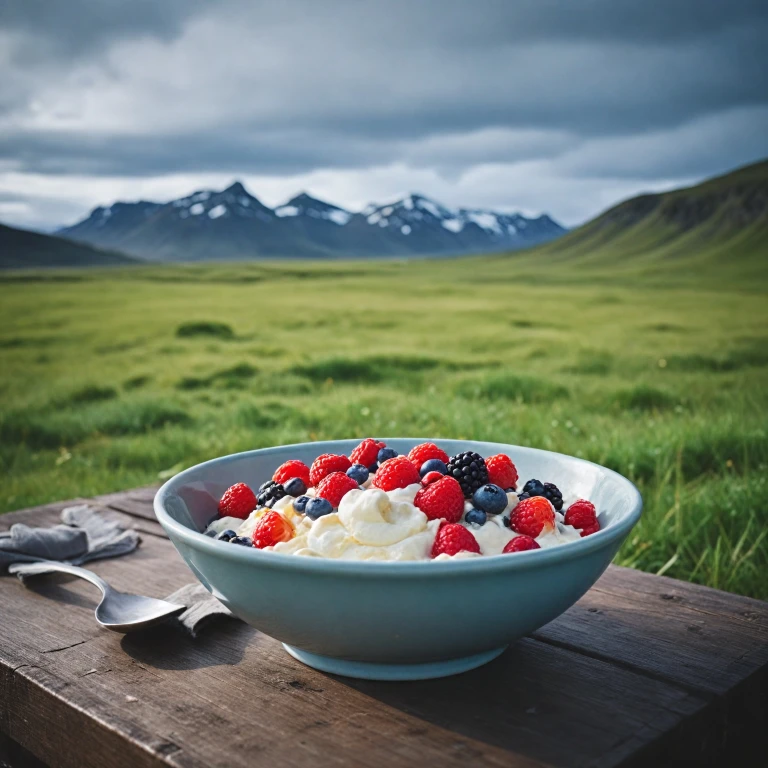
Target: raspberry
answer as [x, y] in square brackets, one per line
[425, 452]
[397, 472]
[520, 544]
[441, 499]
[470, 470]
[271, 529]
[367, 452]
[583, 515]
[333, 487]
[431, 477]
[453, 538]
[325, 464]
[533, 517]
[291, 469]
[237, 501]
[501, 471]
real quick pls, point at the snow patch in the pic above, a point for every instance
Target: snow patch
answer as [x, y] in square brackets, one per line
[511, 229]
[197, 209]
[286, 210]
[430, 207]
[387, 211]
[405, 229]
[453, 225]
[339, 217]
[383, 223]
[200, 196]
[373, 218]
[486, 221]
[408, 203]
[218, 211]
[245, 201]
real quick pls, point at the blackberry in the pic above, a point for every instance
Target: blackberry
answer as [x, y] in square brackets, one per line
[548, 490]
[269, 493]
[470, 470]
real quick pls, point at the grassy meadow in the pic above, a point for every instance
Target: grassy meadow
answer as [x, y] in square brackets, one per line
[115, 378]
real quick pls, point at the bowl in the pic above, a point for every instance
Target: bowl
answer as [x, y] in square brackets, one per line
[395, 620]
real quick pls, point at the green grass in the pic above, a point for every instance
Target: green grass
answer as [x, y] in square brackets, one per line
[660, 373]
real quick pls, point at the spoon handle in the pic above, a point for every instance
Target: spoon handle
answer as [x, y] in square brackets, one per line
[49, 566]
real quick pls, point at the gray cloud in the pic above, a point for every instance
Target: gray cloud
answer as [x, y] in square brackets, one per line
[647, 93]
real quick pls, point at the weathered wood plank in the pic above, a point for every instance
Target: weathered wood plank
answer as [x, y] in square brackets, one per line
[602, 685]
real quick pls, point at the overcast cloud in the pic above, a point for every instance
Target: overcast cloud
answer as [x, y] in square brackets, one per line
[531, 105]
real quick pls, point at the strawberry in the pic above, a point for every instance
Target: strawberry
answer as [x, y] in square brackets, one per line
[533, 517]
[333, 487]
[367, 452]
[425, 452]
[441, 499]
[453, 538]
[291, 469]
[238, 501]
[583, 515]
[520, 544]
[325, 464]
[501, 471]
[397, 472]
[271, 529]
[431, 477]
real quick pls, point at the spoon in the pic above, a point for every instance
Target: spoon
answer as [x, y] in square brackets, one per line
[117, 611]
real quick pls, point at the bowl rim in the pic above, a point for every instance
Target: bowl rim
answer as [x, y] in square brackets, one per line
[423, 568]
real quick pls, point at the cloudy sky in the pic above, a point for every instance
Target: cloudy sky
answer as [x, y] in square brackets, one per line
[564, 106]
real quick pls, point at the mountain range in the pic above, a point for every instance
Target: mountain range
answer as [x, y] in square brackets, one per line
[233, 224]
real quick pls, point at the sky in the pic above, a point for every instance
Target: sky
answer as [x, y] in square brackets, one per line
[557, 106]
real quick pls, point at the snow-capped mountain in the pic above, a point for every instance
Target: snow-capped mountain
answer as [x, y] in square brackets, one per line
[233, 224]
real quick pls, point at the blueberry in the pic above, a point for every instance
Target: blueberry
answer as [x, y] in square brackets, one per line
[476, 516]
[358, 473]
[506, 521]
[386, 453]
[490, 498]
[433, 465]
[295, 487]
[372, 469]
[264, 485]
[318, 507]
[300, 503]
[534, 488]
[227, 535]
[244, 541]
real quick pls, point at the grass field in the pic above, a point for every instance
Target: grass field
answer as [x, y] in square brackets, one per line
[112, 379]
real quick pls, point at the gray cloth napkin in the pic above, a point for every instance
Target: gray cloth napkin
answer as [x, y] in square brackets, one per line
[86, 535]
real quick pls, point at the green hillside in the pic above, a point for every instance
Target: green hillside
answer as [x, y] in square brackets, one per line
[721, 221]
[20, 249]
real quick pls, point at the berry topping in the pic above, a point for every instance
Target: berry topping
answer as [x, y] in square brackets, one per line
[358, 473]
[453, 538]
[583, 515]
[295, 487]
[269, 493]
[547, 490]
[520, 544]
[442, 499]
[476, 517]
[433, 465]
[431, 477]
[490, 498]
[335, 486]
[386, 453]
[271, 529]
[291, 469]
[427, 451]
[470, 470]
[318, 507]
[243, 541]
[533, 517]
[300, 503]
[325, 464]
[367, 452]
[237, 501]
[397, 472]
[227, 535]
[501, 471]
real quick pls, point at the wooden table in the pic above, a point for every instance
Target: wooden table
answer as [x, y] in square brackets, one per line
[644, 670]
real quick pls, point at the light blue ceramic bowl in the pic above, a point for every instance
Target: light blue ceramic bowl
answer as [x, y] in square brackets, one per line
[395, 621]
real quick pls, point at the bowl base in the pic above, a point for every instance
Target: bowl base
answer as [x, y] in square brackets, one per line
[365, 670]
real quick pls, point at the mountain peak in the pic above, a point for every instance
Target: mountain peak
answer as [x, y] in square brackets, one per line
[237, 188]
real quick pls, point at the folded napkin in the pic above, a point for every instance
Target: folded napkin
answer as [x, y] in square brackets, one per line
[86, 535]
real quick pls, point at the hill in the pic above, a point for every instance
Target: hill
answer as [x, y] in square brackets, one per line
[722, 220]
[21, 249]
[232, 224]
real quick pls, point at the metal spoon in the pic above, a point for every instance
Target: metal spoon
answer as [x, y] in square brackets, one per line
[117, 611]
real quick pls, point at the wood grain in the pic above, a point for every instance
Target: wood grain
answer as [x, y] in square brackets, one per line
[621, 679]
